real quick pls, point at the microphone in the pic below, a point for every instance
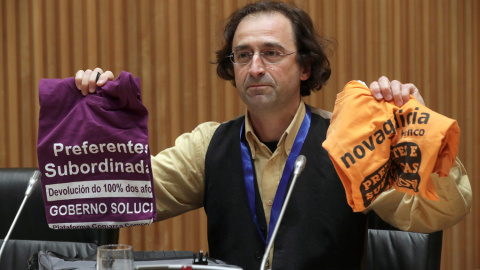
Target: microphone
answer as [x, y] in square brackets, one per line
[32, 184]
[299, 165]
[297, 169]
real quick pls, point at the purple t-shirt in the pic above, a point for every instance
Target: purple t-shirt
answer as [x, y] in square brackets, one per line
[93, 154]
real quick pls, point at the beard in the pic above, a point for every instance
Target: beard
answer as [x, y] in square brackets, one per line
[258, 92]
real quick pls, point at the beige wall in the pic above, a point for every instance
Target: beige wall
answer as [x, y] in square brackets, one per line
[434, 44]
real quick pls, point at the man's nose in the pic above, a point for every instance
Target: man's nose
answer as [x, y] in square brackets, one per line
[257, 66]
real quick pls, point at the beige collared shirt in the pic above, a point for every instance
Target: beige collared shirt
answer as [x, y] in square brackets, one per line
[179, 174]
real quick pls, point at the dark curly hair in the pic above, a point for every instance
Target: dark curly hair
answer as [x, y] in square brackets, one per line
[310, 46]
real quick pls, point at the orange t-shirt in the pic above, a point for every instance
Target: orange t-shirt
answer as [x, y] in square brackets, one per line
[375, 145]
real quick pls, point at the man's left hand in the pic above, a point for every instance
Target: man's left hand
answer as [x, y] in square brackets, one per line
[388, 90]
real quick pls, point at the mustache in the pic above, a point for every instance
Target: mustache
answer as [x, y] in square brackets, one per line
[265, 79]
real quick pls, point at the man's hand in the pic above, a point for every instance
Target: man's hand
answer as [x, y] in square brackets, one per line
[86, 80]
[384, 89]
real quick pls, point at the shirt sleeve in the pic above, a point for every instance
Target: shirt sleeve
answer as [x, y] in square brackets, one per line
[417, 214]
[179, 171]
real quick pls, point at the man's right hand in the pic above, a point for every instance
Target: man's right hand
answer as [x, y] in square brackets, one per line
[85, 80]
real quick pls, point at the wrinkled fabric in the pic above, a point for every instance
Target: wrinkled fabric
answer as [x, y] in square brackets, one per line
[93, 154]
[376, 145]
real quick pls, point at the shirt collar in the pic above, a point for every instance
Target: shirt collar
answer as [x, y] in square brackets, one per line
[288, 137]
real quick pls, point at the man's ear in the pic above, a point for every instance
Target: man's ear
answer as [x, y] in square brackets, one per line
[306, 70]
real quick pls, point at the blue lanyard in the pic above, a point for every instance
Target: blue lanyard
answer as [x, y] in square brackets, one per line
[282, 186]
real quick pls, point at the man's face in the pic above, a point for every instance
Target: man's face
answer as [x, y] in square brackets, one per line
[264, 86]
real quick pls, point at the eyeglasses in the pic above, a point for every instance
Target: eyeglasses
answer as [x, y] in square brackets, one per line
[268, 56]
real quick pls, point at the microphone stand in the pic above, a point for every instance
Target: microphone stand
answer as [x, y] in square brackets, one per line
[299, 166]
[32, 183]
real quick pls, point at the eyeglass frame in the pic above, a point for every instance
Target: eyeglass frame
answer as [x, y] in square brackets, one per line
[231, 56]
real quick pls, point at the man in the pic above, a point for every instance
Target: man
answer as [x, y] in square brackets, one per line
[235, 169]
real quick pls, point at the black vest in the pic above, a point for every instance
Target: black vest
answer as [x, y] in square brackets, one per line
[319, 229]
